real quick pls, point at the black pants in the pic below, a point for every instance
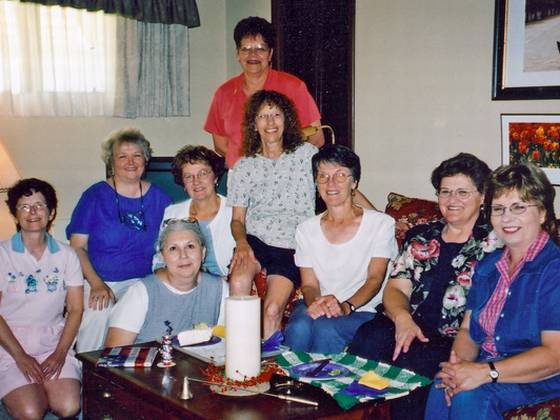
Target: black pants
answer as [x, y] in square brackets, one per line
[376, 340]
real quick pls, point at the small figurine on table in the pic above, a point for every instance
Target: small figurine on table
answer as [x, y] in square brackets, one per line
[166, 349]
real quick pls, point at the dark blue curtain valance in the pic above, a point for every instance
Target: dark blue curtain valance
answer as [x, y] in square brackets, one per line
[181, 12]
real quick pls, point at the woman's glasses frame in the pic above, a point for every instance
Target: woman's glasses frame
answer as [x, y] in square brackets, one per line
[191, 220]
[462, 194]
[35, 207]
[515, 209]
[259, 49]
[338, 177]
[202, 175]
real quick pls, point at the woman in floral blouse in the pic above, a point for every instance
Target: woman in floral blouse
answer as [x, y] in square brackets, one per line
[425, 298]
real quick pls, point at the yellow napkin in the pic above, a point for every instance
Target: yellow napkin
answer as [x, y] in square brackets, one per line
[373, 380]
[219, 331]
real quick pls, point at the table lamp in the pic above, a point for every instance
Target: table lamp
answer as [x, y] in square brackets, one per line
[8, 176]
[8, 172]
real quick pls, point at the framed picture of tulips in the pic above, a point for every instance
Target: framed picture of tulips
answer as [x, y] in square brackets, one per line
[526, 50]
[532, 139]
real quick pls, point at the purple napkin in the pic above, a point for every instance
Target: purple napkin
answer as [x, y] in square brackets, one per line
[357, 389]
[273, 342]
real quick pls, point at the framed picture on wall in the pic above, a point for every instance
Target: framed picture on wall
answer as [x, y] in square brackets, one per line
[532, 139]
[526, 50]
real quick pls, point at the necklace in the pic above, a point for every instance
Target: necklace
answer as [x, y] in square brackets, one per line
[132, 220]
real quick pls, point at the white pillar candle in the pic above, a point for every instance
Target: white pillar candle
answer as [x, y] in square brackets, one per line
[243, 337]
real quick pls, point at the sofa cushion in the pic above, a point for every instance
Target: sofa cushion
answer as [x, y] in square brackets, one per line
[409, 212]
[542, 411]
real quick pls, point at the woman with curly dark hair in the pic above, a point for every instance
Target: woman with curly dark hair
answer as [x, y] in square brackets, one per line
[291, 138]
[271, 191]
[197, 169]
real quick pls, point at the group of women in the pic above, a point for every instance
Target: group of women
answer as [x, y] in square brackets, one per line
[483, 321]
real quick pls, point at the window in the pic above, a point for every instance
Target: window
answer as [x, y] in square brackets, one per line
[62, 61]
[55, 60]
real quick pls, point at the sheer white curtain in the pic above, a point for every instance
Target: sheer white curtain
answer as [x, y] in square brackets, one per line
[56, 61]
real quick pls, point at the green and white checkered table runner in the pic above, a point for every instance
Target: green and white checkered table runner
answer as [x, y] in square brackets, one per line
[402, 380]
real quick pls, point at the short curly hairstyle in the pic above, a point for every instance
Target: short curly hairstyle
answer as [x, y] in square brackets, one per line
[196, 154]
[254, 26]
[125, 135]
[462, 164]
[532, 184]
[27, 187]
[292, 137]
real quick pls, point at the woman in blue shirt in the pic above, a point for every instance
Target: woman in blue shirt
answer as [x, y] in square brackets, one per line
[113, 229]
[507, 352]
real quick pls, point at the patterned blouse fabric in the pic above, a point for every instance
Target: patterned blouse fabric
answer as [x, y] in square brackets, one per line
[278, 194]
[418, 262]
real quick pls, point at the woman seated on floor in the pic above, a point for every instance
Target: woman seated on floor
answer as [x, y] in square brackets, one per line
[342, 255]
[424, 301]
[40, 279]
[507, 352]
[197, 169]
[179, 293]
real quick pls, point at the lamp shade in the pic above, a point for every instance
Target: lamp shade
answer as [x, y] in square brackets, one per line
[8, 172]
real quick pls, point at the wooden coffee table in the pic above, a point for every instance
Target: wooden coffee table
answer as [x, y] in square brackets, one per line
[152, 393]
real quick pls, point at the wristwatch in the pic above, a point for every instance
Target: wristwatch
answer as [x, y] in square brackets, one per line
[352, 307]
[494, 374]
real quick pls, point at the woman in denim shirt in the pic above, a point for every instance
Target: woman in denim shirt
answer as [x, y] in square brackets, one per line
[507, 352]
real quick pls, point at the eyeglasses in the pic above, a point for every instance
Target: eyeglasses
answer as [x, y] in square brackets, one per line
[35, 207]
[460, 193]
[266, 117]
[172, 221]
[515, 208]
[337, 177]
[202, 175]
[257, 49]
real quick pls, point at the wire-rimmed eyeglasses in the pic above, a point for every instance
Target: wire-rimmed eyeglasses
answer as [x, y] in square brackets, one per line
[515, 208]
[338, 177]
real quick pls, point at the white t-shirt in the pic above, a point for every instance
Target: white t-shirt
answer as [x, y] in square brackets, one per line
[342, 268]
[130, 311]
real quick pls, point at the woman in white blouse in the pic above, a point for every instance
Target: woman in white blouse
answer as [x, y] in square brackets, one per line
[342, 255]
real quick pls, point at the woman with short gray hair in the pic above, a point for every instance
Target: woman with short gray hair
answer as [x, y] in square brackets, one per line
[113, 229]
[179, 295]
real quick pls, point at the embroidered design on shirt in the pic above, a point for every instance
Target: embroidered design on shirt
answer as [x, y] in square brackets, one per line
[31, 283]
[52, 282]
[12, 283]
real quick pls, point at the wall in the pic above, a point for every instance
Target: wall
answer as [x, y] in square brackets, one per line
[422, 82]
[423, 87]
